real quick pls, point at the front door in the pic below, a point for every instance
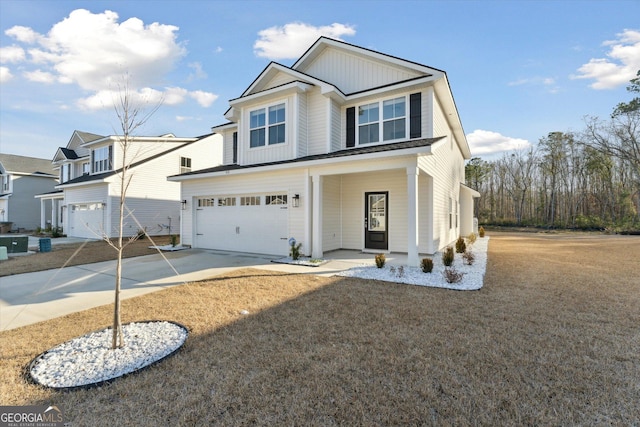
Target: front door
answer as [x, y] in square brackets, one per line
[376, 220]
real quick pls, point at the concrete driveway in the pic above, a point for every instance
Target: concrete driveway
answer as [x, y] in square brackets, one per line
[34, 297]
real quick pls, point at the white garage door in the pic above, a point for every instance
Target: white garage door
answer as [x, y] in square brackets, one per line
[254, 224]
[86, 220]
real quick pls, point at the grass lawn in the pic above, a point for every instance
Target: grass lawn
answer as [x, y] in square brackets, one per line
[553, 338]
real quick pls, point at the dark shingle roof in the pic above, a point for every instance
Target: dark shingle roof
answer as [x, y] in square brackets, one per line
[415, 143]
[69, 154]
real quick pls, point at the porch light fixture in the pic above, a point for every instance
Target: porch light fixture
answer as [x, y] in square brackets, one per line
[184, 204]
[295, 201]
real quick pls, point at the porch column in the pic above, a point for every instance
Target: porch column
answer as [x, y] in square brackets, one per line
[43, 214]
[412, 218]
[316, 232]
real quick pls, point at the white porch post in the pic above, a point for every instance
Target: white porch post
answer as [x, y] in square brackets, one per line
[412, 218]
[43, 214]
[316, 233]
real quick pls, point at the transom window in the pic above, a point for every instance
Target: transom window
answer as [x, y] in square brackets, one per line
[249, 200]
[392, 126]
[226, 201]
[267, 126]
[275, 199]
[206, 202]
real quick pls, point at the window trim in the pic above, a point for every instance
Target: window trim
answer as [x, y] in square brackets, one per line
[108, 161]
[381, 120]
[184, 168]
[267, 125]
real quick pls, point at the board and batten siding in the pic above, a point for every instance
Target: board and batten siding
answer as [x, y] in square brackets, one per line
[336, 125]
[278, 80]
[302, 135]
[339, 67]
[261, 183]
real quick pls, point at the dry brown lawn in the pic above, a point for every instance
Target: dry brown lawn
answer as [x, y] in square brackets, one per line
[69, 254]
[552, 339]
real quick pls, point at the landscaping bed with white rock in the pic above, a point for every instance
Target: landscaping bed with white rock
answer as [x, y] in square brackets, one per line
[89, 360]
[472, 275]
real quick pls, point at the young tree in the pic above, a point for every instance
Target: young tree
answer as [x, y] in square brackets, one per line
[131, 116]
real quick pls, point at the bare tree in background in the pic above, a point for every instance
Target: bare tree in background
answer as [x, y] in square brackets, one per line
[131, 116]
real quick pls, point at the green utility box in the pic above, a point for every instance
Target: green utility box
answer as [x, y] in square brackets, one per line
[15, 244]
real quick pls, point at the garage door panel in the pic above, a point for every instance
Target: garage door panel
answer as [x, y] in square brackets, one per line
[86, 220]
[257, 229]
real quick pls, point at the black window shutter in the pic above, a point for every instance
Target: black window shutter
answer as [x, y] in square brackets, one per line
[111, 157]
[351, 127]
[415, 115]
[235, 147]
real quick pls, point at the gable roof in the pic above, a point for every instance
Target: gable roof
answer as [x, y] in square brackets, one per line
[24, 165]
[102, 176]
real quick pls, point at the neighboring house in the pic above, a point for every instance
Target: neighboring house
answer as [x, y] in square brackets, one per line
[347, 149]
[21, 178]
[87, 200]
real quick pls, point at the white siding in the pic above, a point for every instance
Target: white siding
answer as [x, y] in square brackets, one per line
[227, 136]
[290, 182]
[278, 80]
[317, 138]
[339, 67]
[331, 213]
[95, 193]
[440, 125]
[353, 188]
[303, 126]
[336, 126]
[269, 153]
[446, 166]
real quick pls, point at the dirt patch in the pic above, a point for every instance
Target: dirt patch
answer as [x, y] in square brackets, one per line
[76, 254]
[551, 339]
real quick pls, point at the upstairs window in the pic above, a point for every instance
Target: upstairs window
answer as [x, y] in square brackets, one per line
[267, 126]
[65, 172]
[390, 127]
[86, 168]
[185, 164]
[6, 179]
[102, 159]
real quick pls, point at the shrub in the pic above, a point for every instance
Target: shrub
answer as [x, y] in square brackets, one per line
[471, 238]
[426, 265]
[468, 257]
[448, 256]
[451, 275]
[380, 260]
[141, 234]
[174, 240]
[401, 271]
[295, 250]
[481, 232]
[56, 232]
[461, 246]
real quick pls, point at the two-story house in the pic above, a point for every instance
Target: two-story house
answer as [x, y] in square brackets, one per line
[21, 178]
[87, 201]
[347, 149]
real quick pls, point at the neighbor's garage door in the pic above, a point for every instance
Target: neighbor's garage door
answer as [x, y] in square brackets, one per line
[86, 220]
[255, 224]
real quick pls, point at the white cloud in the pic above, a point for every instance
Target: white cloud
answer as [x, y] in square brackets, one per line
[39, 76]
[205, 99]
[11, 54]
[97, 53]
[218, 49]
[483, 142]
[198, 72]
[293, 39]
[621, 65]
[183, 118]
[23, 34]
[5, 74]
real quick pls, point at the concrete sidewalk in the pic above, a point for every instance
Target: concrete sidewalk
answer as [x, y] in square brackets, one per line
[34, 297]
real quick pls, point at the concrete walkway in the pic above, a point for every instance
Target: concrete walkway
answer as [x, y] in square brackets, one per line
[34, 297]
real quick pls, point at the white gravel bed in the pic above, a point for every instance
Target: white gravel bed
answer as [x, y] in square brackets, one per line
[89, 359]
[472, 280]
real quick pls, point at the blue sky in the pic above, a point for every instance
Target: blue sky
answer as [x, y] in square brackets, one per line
[518, 69]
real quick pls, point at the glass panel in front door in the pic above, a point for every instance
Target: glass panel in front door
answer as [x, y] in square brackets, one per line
[377, 212]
